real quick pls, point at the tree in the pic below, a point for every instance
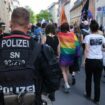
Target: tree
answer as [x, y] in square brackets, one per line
[44, 14]
[32, 15]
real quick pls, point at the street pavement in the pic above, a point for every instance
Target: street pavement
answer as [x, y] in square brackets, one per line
[75, 97]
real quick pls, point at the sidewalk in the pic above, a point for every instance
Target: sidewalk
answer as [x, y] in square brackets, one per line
[76, 95]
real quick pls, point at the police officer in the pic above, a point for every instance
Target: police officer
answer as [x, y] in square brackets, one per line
[16, 48]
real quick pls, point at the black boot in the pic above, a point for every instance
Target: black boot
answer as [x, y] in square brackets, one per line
[52, 96]
[73, 80]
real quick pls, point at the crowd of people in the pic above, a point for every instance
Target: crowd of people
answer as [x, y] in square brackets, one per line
[72, 46]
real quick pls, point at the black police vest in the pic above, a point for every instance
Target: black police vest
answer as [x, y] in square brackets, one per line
[15, 52]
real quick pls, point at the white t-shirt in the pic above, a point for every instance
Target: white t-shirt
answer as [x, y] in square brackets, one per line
[95, 42]
[104, 58]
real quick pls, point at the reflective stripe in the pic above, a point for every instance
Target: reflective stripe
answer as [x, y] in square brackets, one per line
[17, 36]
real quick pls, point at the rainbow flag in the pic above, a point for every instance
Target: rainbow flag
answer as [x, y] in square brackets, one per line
[63, 18]
[69, 47]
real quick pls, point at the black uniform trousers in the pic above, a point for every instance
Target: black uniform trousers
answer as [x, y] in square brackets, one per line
[1, 98]
[93, 68]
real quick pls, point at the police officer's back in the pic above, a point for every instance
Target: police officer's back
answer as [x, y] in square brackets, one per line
[15, 52]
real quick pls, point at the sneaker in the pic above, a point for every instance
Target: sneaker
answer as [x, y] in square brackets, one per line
[66, 89]
[52, 96]
[96, 102]
[44, 102]
[87, 97]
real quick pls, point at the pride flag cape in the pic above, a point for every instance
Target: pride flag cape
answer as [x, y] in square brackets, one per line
[69, 44]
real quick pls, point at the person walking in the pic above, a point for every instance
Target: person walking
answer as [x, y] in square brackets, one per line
[77, 61]
[93, 61]
[38, 32]
[52, 40]
[84, 27]
[69, 48]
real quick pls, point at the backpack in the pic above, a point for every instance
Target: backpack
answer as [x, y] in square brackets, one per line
[18, 84]
[52, 74]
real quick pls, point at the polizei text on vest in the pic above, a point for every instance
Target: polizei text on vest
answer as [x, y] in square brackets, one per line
[15, 43]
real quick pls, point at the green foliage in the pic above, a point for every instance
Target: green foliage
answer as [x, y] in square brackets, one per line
[44, 14]
[32, 15]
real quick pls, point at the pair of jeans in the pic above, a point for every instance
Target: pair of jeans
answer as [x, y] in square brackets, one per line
[93, 68]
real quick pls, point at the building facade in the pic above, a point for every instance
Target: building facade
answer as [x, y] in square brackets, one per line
[100, 12]
[75, 12]
[4, 12]
[67, 9]
[53, 9]
[6, 8]
[15, 4]
[92, 7]
[66, 4]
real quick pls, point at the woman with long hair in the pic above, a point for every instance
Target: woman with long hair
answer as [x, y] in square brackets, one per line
[69, 48]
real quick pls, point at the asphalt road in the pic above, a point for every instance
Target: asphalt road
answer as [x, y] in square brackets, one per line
[75, 97]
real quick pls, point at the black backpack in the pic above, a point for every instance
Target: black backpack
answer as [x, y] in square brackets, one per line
[52, 74]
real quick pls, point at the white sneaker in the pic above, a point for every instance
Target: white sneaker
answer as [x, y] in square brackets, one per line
[67, 85]
[66, 88]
